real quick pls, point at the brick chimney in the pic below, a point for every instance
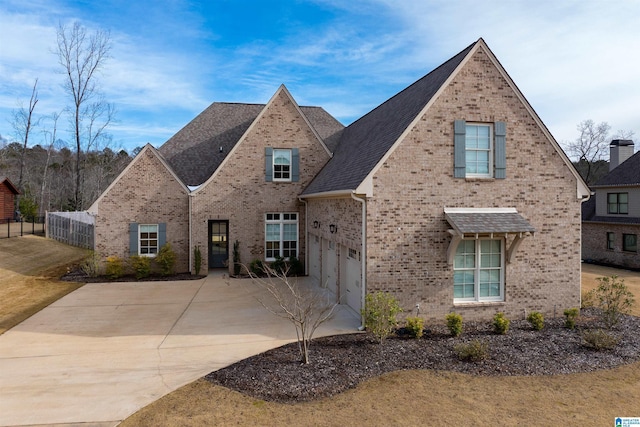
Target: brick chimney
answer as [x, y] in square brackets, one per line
[619, 151]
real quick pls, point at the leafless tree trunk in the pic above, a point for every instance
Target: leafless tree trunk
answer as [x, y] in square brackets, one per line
[82, 56]
[306, 309]
[23, 123]
[43, 187]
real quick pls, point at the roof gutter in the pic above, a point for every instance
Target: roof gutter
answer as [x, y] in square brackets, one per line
[328, 194]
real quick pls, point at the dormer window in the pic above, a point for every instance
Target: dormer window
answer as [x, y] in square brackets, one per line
[281, 165]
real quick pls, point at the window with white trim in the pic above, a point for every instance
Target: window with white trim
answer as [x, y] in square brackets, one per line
[281, 165]
[281, 235]
[478, 271]
[148, 240]
[478, 150]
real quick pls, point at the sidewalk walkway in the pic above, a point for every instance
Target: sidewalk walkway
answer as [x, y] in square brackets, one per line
[106, 350]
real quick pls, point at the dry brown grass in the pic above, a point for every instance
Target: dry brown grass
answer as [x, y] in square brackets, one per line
[591, 272]
[29, 269]
[425, 397]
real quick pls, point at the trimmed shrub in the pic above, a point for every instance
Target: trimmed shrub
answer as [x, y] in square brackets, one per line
[197, 259]
[166, 259]
[536, 319]
[570, 316]
[614, 298]
[141, 266]
[415, 326]
[473, 351]
[454, 323]
[256, 268]
[115, 267]
[380, 314]
[598, 339]
[501, 324]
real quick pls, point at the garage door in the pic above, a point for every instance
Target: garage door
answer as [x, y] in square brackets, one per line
[329, 267]
[314, 259]
[351, 278]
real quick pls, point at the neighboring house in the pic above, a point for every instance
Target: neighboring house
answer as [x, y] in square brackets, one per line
[8, 191]
[452, 195]
[611, 218]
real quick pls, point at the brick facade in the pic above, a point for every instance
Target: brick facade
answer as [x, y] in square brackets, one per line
[146, 193]
[594, 244]
[238, 192]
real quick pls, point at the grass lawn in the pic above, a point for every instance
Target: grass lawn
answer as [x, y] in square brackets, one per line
[425, 397]
[29, 269]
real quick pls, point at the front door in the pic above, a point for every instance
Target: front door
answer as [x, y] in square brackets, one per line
[218, 243]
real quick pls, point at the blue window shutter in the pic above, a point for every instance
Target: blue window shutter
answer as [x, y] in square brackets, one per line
[133, 238]
[295, 165]
[162, 234]
[500, 150]
[268, 164]
[460, 156]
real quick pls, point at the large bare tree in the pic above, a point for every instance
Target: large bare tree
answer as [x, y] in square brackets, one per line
[82, 56]
[23, 122]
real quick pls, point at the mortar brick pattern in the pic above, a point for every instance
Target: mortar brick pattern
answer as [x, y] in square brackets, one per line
[594, 244]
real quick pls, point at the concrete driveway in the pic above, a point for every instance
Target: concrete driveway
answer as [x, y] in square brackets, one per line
[106, 350]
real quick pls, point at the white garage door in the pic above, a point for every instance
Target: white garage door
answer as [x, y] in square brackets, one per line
[314, 259]
[329, 267]
[351, 278]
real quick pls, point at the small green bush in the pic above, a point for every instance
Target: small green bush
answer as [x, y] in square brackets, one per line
[115, 267]
[296, 267]
[415, 326]
[598, 339]
[536, 319]
[91, 264]
[614, 298]
[570, 316]
[454, 323]
[197, 259]
[380, 314]
[141, 266]
[501, 324]
[473, 351]
[166, 259]
[256, 268]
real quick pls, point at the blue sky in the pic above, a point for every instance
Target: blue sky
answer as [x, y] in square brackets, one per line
[573, 60]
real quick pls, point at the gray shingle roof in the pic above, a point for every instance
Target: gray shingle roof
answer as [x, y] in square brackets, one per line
[194, 152]
[627, 173]
[495, 222]
[365, 141]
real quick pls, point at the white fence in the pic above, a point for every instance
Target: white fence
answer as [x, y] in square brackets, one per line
[72, 228]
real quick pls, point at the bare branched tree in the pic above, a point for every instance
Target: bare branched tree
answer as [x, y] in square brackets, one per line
[82, 56]
[305, 308]
[23, 122]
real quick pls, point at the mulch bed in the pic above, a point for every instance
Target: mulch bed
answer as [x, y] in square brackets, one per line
[77, 275]
[339, 363]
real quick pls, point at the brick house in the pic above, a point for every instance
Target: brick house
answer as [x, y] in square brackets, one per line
[452, 195]
[8, 192]
[611, 218]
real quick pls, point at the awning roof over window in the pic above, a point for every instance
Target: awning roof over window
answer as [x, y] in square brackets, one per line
[471, 221]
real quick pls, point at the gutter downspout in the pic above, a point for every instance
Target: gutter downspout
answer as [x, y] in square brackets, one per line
[306, 235]
[363, 254]
[190, 195]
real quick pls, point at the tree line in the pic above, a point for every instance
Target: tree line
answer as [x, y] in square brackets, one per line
[48, 180]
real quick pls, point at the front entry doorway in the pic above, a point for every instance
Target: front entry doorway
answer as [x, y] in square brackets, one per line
[218, 243]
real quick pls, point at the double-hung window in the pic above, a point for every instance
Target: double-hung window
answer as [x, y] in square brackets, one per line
[479, 150]
[630, 242]
[618, 203]
[282, 164]
[148, 239]
[611, 241]
[281, 235]
[478, 271]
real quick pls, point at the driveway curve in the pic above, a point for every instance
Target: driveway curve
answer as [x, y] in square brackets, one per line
[106, 350]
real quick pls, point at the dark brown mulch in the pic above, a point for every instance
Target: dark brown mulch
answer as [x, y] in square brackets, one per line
[341, 362]
[77, 275]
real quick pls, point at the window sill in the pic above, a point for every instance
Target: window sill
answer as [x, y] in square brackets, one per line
[474, 304]
[479, 179]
